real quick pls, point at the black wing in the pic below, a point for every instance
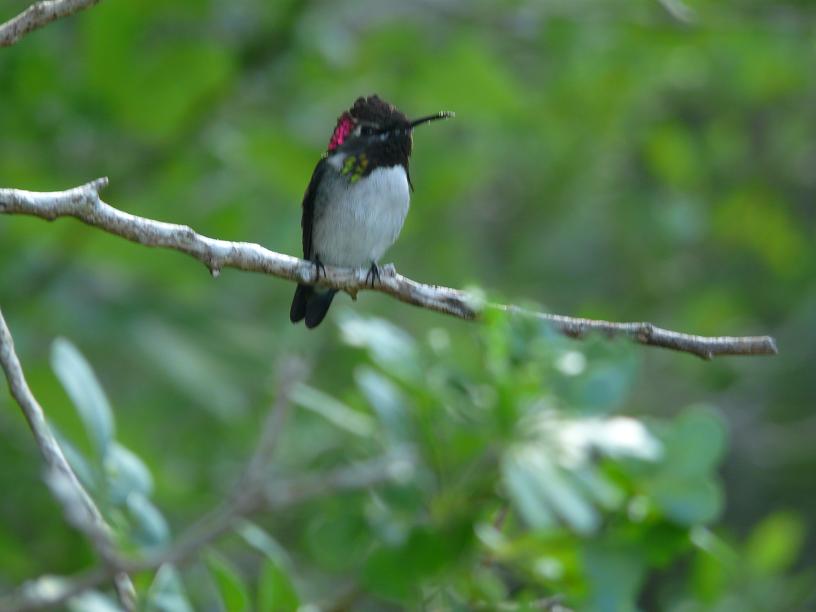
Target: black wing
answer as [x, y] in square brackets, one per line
[307, 221]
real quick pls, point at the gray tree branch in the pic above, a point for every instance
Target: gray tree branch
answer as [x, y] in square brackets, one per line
[85, 204]
[37, 15]
[79, 508]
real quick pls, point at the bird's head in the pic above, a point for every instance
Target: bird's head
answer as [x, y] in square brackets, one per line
[371, 121]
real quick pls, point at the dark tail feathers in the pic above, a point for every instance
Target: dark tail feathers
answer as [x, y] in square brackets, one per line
[310, 304]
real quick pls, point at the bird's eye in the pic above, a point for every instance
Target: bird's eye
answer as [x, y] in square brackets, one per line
[366, 130]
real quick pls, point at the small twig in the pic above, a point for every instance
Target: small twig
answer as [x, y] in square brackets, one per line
[79, 508]
[291, 372]
[37, 15]
[85, 204]
[248, 493]
[256, 493]
[275, 495]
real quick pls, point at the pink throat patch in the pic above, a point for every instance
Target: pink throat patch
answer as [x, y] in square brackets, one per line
[345, 124]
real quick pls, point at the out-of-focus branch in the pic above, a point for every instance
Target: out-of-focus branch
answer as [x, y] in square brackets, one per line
[255, 493]
[79, 508]
[85, 204]
[37, 15]
[273, 495]
[291, 372]
[277, 494]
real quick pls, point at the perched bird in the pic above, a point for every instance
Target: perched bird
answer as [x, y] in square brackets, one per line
[358, 197]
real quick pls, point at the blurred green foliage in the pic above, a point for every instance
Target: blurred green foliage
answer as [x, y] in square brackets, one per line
[606, 160]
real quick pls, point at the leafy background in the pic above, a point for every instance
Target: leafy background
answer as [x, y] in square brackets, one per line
[607, 160]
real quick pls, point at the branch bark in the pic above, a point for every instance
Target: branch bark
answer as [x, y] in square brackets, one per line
[84, 204]
[37, 15]
[79, 508]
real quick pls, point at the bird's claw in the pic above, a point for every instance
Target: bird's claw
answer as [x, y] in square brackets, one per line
[318, 265]
[373, 274]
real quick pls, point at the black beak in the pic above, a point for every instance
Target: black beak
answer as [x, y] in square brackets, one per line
[429, 118]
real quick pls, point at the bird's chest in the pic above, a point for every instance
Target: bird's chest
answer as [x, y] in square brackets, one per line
[356, 222]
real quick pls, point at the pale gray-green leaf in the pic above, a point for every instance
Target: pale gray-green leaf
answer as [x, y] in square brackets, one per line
[151, 527]
[93, 601]
[386, 400]
[167, 592]
[82, 386]
[126, 473]
[334, 411]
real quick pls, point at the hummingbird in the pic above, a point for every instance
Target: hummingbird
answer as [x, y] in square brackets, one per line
[358, 197]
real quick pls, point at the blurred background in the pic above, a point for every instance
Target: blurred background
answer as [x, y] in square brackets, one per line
[621, 160]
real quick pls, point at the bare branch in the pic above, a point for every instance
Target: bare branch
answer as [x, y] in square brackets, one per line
[85, 204]
[79, 508]
[37, 15]
[277, 494]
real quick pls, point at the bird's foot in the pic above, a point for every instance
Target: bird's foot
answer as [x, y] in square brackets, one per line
[373, 274]
[319, 267]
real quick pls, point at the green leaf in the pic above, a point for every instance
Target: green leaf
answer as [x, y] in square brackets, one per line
[615, 575]
[276, 593]
[526, 494]
[167, 594]
[775, 543]
[715, 565]
[339, 537]
[93, 601]
[695, 442]
[537, 487]
[231, 586]
[126, 474]
[86, 474]
[261, 541]
[604, 388]
[399, 572]
[386, 400]
[563, 497]
[605, 493]
[388, 345]
[334, 411]
[82, 386]
[151, 529]
[687, 500]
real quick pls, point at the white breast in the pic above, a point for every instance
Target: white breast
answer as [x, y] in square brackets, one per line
[363, 219]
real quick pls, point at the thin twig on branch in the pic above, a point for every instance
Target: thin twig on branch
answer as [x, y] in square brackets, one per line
[77, 504]
[85, 204]
[37, 15]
